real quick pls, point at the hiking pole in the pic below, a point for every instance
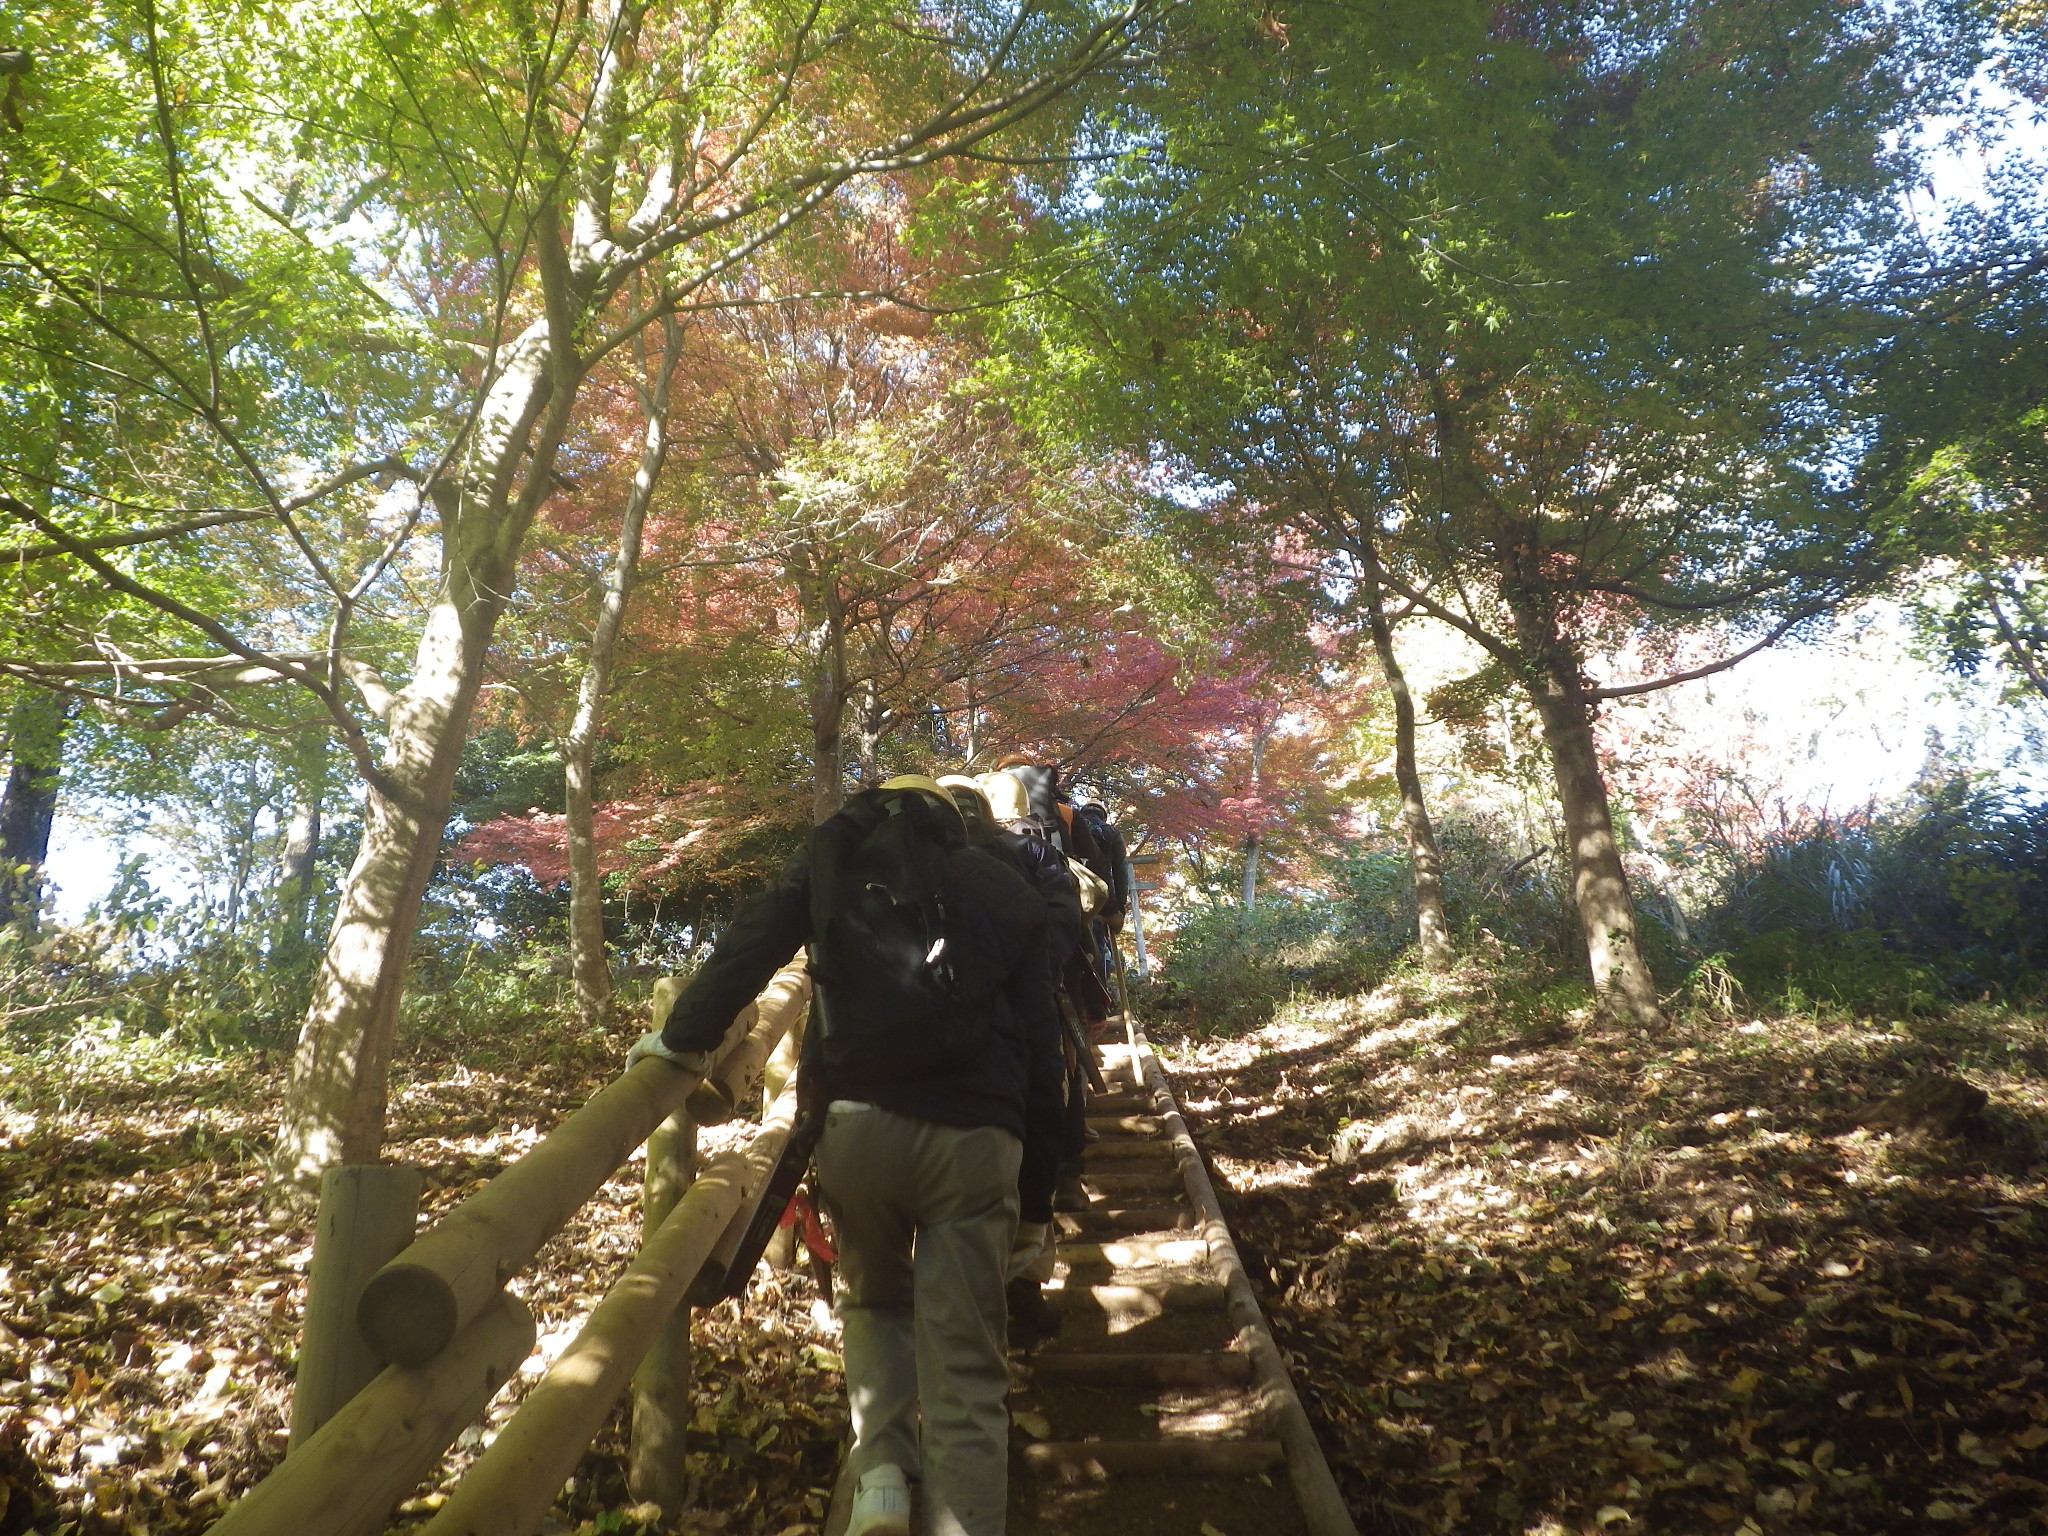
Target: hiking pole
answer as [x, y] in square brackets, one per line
[1083, 1046]
[1123, 992]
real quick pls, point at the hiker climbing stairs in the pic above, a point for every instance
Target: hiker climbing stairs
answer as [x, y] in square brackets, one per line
[1162, 1405]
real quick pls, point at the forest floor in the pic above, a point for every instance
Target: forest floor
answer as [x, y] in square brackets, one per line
[1536, 1275]
[150, 1305]
[1539, 1275]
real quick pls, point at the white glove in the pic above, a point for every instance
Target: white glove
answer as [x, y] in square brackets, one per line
[1024, 1251]
[650, 1044]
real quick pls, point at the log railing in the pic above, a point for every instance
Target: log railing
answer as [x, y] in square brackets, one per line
[452, 1336]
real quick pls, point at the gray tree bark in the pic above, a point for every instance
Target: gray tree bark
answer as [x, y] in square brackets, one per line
[589, 966]
[301, 852]
[334, 1107]
[829, 691]
[1607, 913]
[1252, 840]
[1418, 831]
[28, 805]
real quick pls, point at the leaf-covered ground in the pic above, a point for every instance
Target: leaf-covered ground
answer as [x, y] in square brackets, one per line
[1538, 1275]
[150, 1304]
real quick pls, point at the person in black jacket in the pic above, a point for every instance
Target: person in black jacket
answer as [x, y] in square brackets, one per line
[1047, 872]
[925, 1128]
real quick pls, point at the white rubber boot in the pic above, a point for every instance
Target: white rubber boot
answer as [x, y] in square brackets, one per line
[881, 1504]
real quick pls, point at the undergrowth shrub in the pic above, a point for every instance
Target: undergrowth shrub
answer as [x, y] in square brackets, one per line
[1901, 909]
[1230, 969]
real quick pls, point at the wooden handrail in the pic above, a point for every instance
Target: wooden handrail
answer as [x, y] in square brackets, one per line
[737, 1074]
[509, 1489]
[348, 1476]
[417, 1303]
[454, 1337]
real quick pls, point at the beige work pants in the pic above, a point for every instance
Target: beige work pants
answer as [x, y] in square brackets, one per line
[925, 1215]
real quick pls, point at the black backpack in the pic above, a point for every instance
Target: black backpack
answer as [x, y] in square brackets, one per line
[1111, 862]
[898, 990]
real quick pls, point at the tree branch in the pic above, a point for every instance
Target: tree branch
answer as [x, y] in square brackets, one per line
[1628, 690]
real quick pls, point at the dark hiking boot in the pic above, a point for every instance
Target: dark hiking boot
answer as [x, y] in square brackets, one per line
[1033, 1319]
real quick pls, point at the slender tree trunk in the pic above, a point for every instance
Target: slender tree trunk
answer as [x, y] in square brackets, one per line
[295, 864]
[588, 963]
[1252, 839]
[829, 691]
[245, 858]
[1607, 912]
[1425, 858]
[28, 805]
[873, 723]
[335, 1105]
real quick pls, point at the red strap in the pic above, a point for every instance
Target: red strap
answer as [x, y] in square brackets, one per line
[802, 1215]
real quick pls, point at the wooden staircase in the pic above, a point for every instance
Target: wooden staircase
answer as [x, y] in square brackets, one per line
[1162, 1408]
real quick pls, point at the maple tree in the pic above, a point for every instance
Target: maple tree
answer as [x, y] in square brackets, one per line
[1542, 363]
[312, 232]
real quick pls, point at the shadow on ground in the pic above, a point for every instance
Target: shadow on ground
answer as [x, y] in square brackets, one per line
[1542, 1275]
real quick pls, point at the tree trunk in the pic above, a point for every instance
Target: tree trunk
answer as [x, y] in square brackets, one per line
[1607, 912]
[295, 865]
[588, 963]
[1252, 839]
[872, 725]
[334, 1107]
[1425, 858]
[28, 805]
[244, 864]
[829, 692]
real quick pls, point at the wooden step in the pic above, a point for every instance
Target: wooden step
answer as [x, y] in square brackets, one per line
[1212, 1368]
[1093, 1460]
[1126, 1125]
[1114, 1103]
[1139, 1298]
[1112, 1220]
[1132, 1182]
[1128, 1149]
[1137, 1252]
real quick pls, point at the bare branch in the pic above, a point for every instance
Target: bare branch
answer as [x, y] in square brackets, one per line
[1627, 690]
[351, 733]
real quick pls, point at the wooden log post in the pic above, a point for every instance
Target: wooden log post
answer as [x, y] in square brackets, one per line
[779, 1073]
[350, 1473]
[661, 1386]
[367, 1213]
[508, 1491]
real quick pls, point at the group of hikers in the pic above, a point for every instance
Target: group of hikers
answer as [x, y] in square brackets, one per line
[961, 939]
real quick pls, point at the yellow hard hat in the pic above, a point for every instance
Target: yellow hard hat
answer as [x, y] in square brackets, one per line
[954, 783]
[924, 785]
[1007, 797]
[915, 781]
